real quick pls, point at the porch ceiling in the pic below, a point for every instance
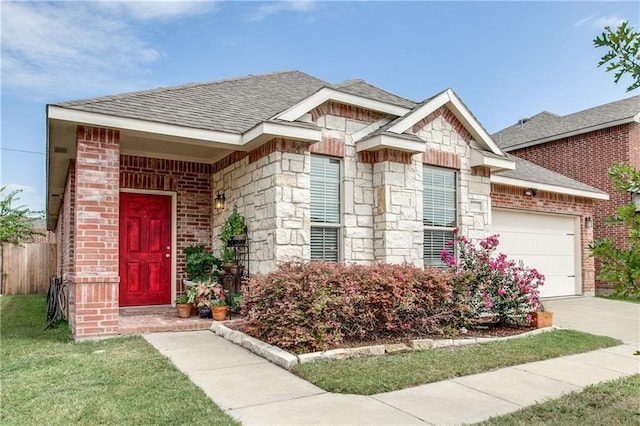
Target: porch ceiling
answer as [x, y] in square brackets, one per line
[61, 149]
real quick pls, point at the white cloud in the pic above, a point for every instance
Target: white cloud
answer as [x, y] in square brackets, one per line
[275, 7]
[29, 196]
[608, 21]
[66, 49]
[599, 22]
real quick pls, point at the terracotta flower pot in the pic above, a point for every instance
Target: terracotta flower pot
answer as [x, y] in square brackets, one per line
[184, 310]
[219, 312]
[542, 319]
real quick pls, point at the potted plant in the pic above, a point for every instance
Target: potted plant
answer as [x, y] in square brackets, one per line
[209, 296]
[542, 318]
[234, 230]
[200, 266]
[228, 259]
[183, 306]
[219, 309]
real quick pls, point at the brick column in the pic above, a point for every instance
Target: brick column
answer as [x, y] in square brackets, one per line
[94, 281]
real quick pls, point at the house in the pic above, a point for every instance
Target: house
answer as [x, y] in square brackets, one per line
[340, 172]
[583, 145]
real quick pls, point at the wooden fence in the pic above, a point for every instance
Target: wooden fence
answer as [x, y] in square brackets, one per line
[27, 269]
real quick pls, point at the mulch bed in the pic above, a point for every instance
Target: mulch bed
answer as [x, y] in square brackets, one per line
[488, 330]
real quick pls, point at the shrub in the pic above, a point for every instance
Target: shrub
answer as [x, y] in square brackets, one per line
[492, 286]
[317, 305]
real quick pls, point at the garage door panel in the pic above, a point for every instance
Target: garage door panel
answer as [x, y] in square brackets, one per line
[540, 241]
[519, 243]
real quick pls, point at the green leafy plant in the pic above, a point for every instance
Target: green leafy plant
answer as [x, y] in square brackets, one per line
[201, 265]
[16, 222]
[623, 55]
[209, 295]
[182, 299]
[620, 264]
[235, 301]
[232, 226]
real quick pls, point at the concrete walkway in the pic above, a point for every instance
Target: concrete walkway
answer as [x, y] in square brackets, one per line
[256, 392]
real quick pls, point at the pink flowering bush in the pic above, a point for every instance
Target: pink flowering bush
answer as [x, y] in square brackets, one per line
[495, 286]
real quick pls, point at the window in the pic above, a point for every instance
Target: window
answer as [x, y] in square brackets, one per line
[439, 212]
[325, 208]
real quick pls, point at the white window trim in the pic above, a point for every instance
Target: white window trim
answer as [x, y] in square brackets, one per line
[426, 228]
[339, 226]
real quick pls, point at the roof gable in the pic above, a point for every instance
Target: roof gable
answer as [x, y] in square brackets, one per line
[450, 100]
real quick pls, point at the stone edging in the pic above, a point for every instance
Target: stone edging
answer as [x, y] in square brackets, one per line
[287, 360]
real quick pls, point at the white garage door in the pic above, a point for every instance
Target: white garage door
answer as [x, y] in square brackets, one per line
[542, 241]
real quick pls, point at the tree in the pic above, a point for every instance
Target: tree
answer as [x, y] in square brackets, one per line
[16, 223]
[621, 265]
[623, 55]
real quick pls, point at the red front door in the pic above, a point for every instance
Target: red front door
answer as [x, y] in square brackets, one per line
[145, 249]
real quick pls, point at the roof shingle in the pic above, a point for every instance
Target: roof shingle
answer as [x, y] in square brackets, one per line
[545, 125]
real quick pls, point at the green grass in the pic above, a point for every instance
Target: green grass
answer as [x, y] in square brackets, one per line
[48, 379]
[611, 403]
[622, 298]
[367, 376]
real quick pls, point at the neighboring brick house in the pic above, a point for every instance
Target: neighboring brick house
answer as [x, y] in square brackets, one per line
[583, 146]
[340, 172]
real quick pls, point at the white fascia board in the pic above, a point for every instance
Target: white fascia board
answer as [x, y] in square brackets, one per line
[549, 188]
[418, 114]
[635, 118]
[455, 105]
[385, 141]
[281, 130]
[111, 121]
[478, 159]
[325, 94]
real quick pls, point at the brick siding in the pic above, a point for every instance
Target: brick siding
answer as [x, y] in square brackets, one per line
[586, 158]
[192, 184]
[94, 282]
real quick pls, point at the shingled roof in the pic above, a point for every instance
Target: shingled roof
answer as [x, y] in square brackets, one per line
[530, 172]
[547, 126]
[234, 105]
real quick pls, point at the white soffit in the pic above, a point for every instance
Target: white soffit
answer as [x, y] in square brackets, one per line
[111, 121]
[325, 94]
[479, 159]
[385, 141]
[282, 130]
[546, 187]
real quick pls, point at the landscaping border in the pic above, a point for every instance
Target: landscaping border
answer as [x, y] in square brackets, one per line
[287, 360]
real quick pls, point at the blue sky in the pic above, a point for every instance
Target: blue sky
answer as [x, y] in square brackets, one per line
[506, 60]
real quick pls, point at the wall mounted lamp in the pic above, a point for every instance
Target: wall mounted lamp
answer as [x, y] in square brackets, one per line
[588, 222]
[531, 192]
[219, 201]
[635, 197]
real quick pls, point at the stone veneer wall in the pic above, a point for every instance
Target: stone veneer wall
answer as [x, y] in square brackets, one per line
[444, 134]
[270, 187]
[381, 191]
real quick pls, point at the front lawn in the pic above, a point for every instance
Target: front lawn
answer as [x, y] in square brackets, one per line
[367, 376]
[48, 379]
[612, 403]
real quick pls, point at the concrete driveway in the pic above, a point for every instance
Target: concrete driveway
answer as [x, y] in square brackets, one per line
[599, 316]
